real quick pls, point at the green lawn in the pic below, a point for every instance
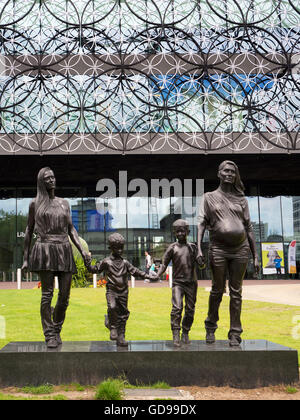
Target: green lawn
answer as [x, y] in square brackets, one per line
[149, 319]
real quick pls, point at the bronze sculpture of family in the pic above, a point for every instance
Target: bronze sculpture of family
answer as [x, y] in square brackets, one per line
[224, 212]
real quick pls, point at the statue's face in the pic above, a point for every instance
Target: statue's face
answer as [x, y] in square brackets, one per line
[227, 174]
[49, 180]
[117, 249]
[181, 233]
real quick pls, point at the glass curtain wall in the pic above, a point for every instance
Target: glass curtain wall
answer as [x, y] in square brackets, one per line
[146, 224]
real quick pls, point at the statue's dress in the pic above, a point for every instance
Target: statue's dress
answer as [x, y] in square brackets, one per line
[52, 250]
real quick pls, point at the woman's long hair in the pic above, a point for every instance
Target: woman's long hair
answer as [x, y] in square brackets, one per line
[238, 184]
[42, 197]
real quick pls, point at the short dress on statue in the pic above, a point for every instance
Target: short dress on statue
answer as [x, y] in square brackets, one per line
[52, 250]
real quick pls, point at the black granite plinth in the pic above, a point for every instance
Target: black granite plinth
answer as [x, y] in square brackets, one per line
[254, 363]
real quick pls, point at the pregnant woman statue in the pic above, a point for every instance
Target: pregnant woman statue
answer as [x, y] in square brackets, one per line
[49, 217]
[224, 212]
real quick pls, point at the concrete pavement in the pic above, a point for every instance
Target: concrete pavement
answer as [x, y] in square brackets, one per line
[286, 292]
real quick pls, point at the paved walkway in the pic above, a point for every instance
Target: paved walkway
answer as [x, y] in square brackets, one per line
[161, 394]
[13, 284]
[286, 292]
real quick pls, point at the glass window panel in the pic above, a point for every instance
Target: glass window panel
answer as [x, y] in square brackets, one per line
[76, 213]
[250, 271]
[190, 210]
[290, 215]
[296, 216]
[7, 257]
[259, 231]
[158, 249]
[136, 248]
[115, 214]
[270, 218]
[138, 212]
[258, 228]
[291, 223]
[138, 230]
[160, 218]
[21, 224]
[8, 220]
[93, 223]
[7, 234]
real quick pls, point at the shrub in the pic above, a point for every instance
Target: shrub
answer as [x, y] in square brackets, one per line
[111, 389]
[291, 390]
[81, 278]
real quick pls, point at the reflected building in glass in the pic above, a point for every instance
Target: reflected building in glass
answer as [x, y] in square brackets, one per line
[159, 90]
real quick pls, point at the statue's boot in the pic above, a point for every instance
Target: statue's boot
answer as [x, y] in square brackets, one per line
[113, 334]
[176, 338]
[185, 337]
[210, 337]
[121, 339]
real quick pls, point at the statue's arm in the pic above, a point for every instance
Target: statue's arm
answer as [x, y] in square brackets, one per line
[134, 271]
[28, 235]
[251, 238]
[166, 260]
[252, 245]
[202, 223]
[97, 268]
[201, 231]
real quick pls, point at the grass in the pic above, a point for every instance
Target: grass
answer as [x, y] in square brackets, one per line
[42, 389]
[73, 387]
[291, 390]
[7, 397]
[111, 389]
[149, 319]
[156, 385]
[33, 397]
[44, 392]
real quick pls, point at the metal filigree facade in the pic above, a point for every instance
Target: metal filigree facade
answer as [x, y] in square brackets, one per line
[141, 76]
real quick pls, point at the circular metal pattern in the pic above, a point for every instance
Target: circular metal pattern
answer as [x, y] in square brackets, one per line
[123, 75]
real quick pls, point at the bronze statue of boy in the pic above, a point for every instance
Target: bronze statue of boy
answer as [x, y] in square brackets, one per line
[184, 284]
[116, 270]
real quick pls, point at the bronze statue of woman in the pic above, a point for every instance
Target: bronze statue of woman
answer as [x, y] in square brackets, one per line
[225, 213]
[49, 217]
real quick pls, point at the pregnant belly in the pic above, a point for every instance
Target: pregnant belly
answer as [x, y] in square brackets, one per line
[229, 232]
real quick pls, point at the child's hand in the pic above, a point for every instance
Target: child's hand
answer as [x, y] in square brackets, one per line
[152, 275]
[87, 259]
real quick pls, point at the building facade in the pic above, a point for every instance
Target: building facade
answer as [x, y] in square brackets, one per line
[144, 90]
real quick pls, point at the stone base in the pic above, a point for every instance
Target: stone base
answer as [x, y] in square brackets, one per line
[255, 363]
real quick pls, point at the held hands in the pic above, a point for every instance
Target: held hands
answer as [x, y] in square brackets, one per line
[200, 260]
[87, 258]
[24, 266]
[151, 276]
